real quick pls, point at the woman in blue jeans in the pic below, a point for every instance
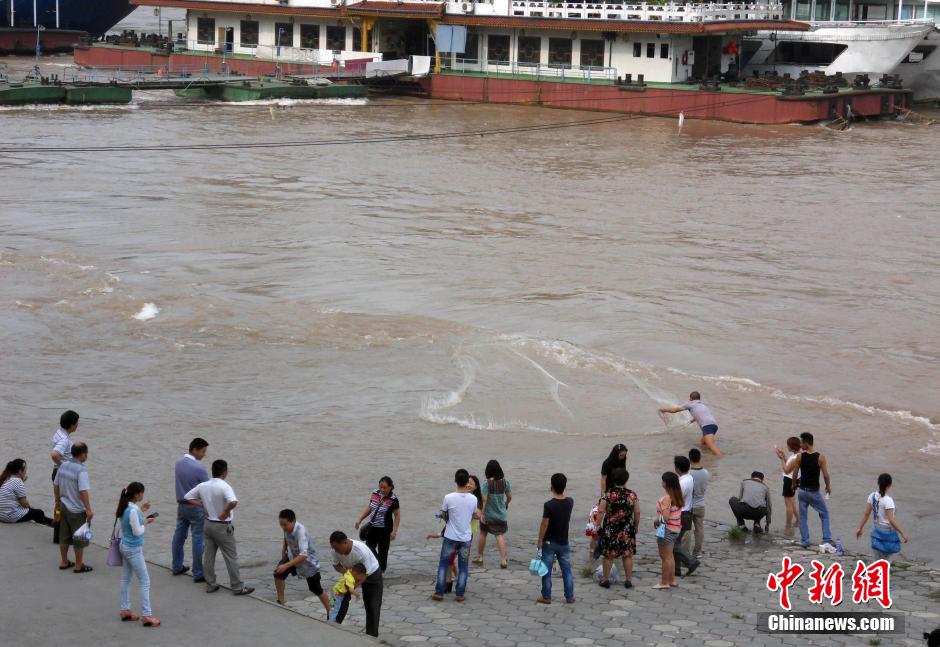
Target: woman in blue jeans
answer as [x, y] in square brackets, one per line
[133, 527]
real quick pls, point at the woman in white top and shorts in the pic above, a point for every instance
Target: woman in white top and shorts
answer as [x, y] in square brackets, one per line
[885, 527]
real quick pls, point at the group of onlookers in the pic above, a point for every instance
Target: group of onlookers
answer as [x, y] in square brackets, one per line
[476, 508]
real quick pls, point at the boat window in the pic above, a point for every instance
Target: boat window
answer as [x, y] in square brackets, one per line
[471, 51]
[800, 53]
[559, 52]
[592, 53]
[748, 49]
[284, 34]
[335, 38]
[637, 50]
[651, 50]
[248, 33]
[205, 31]
[497, 49]
[663, 50]
[310, 36]
[920, 53]
[530, 50]
[357, 39]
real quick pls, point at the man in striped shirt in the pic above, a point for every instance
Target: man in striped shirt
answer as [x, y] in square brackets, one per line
[62, 452]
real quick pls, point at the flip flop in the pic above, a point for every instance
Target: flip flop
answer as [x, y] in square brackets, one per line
[129, 616]
[150, 621]
[67, 566]
[84, 569]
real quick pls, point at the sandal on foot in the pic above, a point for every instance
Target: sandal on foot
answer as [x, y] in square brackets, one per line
[674, 586]
[478, 560]
[150, 621]
[66, 566]
[660, 587]
[84, 569]
[129, 616]
[504, 564]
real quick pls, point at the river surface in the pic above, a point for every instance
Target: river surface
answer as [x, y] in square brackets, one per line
[324, 315]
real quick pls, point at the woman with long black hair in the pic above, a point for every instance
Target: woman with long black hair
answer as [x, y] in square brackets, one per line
[497, 493]
[130, 514]
[616, 458]
[14, 506]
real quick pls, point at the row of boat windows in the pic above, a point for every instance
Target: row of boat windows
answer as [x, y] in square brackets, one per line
[529, 51]
[284, 33]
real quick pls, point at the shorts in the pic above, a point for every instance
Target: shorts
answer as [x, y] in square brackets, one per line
[69, 523]
[494, 527]
[788, 490]
[709, 429]
[668, 540]
[313, 582]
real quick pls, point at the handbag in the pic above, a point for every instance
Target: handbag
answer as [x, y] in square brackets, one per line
[537, 567]
[364, 528]
[884, 541]
[661, 528]
[114, 549]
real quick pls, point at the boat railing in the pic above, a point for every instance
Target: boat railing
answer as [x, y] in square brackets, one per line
[131, 73]
[870, 23]
[514, 69]
[669, 12]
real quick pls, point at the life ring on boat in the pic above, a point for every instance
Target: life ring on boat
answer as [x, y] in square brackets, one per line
[161, 71]
[685, 57]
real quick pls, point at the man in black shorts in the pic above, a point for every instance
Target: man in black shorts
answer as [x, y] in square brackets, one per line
[298, 557]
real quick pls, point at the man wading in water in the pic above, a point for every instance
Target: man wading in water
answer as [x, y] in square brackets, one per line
[703, 416]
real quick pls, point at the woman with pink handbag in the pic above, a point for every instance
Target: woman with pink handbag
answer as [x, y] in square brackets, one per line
[133, 527]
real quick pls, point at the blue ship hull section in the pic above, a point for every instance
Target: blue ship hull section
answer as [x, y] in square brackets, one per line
[94, 16]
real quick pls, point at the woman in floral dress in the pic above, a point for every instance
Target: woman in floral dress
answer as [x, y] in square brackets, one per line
[620, 509]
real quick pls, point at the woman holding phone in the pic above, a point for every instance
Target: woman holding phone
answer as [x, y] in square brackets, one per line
[133, 526]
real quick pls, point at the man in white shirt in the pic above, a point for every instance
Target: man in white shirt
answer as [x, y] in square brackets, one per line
[680, 549]
[62, 452]
[218, 500]
[458, 509]
[346, 554]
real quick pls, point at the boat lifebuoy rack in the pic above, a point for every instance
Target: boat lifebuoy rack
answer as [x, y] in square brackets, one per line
[685, 57]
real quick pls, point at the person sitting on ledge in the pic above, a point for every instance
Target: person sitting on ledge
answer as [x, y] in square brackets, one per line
[752, 503]
[14, 506]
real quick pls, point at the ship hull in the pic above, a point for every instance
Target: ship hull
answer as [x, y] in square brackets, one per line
[92, 16]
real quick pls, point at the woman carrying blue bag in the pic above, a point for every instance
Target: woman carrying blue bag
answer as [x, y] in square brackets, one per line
[886, 532]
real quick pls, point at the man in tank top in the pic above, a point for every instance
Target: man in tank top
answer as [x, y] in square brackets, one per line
[808, 465]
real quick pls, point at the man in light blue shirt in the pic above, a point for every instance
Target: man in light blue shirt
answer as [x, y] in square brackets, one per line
[71, 499]
[189, 473]
[699, 485]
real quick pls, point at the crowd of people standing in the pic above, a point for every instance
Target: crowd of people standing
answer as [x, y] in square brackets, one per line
[206, 508]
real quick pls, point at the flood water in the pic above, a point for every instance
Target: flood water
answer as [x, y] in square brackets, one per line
[324, 315]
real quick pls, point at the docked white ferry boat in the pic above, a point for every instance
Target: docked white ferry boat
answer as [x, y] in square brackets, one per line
[668, 43]
[849, 37]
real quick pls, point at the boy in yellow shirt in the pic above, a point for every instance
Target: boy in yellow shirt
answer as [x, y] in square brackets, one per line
[344, 589]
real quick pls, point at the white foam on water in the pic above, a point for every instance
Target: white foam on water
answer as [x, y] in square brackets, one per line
[289, 103]
[470, 422]
[148, 311]
[553, 383]
[745, 384]
[65, 107]
[58, 261]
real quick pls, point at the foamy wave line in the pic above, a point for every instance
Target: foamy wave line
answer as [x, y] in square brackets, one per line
[58, 261]
[747, 384]
[573, 356]
[470, 422]
[288, 103]
[65, 107]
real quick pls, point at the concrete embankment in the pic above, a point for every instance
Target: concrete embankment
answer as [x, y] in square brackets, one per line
[45, 606]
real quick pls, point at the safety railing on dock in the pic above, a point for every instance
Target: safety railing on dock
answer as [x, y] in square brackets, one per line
[579, 74]
[145, 76]
[613, 10]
